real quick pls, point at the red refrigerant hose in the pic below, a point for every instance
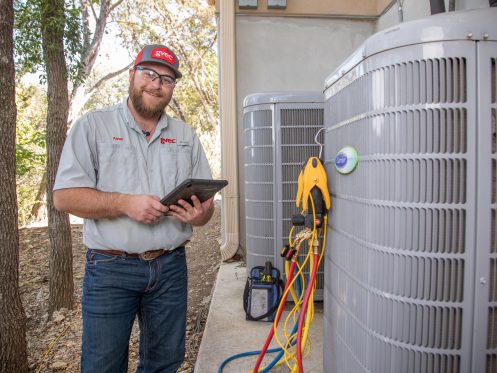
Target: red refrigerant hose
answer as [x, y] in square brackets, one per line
[277, 319]
[303, 311]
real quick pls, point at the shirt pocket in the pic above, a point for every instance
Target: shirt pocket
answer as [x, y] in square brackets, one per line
[117, 168]
[168, 173]
[184, 161]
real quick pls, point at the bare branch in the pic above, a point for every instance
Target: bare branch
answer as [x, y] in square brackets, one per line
[93, 11]
[112, 7]
[107, 77]
[175, 106]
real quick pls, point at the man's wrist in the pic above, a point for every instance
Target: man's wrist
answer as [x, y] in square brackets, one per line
[120, 202]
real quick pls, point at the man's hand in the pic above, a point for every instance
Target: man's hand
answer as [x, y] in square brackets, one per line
[196, 215]
[89, 203]
[144, 208]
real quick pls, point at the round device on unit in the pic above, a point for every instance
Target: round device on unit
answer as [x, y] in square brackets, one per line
[346, 160]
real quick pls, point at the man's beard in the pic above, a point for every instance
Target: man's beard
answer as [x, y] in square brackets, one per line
[143, 109]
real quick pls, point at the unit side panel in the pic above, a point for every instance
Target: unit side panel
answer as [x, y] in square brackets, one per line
[259, 184]
[399, 266]
[485, 291]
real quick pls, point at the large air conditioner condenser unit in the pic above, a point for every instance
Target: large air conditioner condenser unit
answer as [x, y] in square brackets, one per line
[411, 265]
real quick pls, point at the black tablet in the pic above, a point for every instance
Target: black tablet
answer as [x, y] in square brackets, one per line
[202, 188]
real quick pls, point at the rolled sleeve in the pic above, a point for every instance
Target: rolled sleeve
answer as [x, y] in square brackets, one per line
[77, 166]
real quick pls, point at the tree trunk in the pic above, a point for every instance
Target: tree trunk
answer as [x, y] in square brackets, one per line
[61, 275]
[13, 350]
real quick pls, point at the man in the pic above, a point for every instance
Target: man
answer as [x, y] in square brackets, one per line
[115, 166]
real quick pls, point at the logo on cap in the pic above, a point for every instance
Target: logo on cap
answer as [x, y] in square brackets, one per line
[163, 54]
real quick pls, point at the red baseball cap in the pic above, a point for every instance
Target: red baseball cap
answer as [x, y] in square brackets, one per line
[159, 54]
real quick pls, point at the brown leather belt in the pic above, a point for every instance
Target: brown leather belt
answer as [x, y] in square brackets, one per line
[147, 255]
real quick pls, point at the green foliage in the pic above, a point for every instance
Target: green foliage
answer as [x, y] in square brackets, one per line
[28, 37]
[27, 150]
[30, 129]
[31, 104]
[73, 41]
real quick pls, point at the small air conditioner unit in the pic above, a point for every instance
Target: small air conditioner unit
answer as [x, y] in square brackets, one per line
[279, 131]
[411, 266]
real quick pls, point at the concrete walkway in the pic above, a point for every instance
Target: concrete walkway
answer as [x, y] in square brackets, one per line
[228, 333]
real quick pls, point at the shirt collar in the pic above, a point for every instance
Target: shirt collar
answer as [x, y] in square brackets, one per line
[130, 120]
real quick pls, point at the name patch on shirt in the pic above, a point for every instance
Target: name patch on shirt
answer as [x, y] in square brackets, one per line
[117, 138]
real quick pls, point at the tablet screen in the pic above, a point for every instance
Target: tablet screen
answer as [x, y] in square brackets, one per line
[202, 188]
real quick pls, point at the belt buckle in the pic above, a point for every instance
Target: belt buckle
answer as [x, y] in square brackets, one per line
[151, 255]
[146, 256]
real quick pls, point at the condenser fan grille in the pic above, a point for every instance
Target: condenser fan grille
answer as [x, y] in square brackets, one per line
[430, 81]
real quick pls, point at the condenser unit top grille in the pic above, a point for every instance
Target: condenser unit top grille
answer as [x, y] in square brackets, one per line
[477, 24]
[283, 98]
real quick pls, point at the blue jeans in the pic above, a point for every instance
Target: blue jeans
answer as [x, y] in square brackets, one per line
[115, 290]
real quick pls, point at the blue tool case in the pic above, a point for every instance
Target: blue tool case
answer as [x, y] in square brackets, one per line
[262, 293]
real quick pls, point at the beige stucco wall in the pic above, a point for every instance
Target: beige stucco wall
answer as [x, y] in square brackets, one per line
[281, 54]
[320, 8]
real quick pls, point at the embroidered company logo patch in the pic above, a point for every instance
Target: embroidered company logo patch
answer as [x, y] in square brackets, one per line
[117, 138]
[166, 140]
[163, 54]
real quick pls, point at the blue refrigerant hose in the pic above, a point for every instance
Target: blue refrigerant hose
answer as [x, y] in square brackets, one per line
[243, 354]
[280, 350]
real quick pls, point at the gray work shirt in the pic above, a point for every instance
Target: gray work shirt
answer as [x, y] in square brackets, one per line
[106, 150]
